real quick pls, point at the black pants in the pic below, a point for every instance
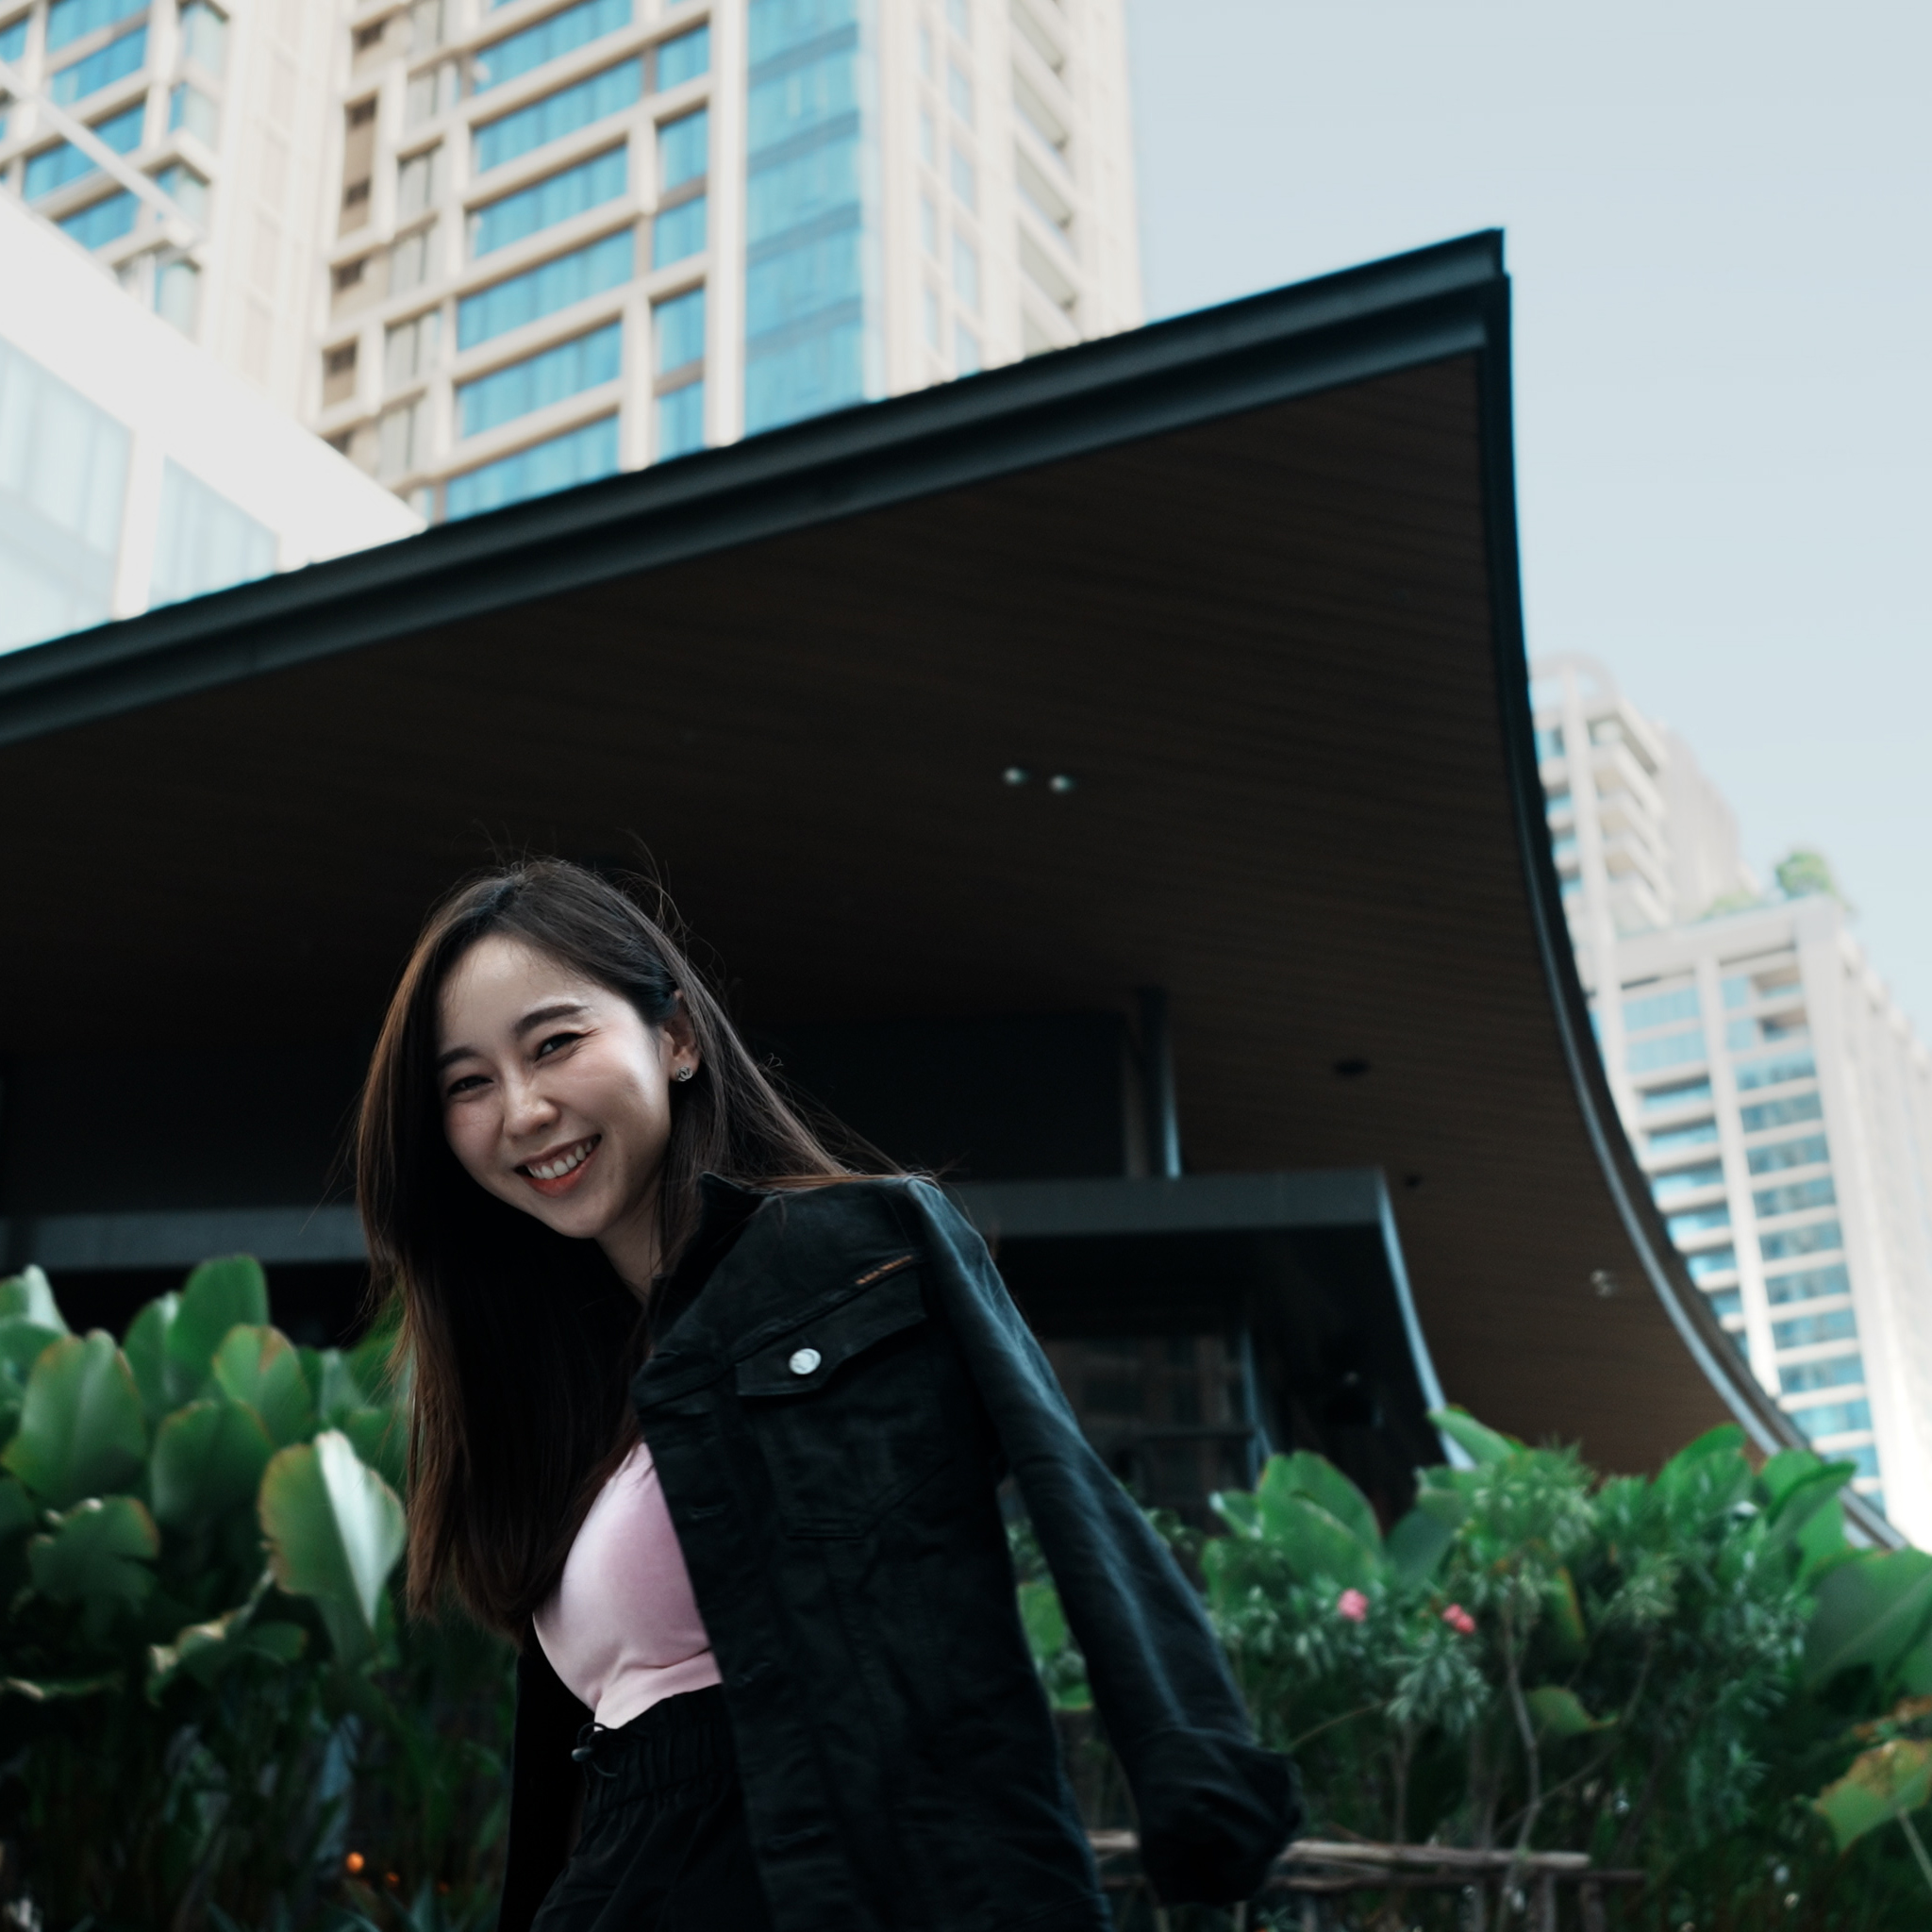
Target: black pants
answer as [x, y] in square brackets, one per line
[663, 1846]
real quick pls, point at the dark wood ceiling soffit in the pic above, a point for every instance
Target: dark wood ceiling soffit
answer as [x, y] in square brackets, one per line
[1249, 578]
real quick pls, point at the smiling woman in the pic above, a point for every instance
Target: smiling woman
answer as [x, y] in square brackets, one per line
[684, 1382]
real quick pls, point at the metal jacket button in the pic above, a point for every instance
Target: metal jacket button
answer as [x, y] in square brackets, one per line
[805, 1361]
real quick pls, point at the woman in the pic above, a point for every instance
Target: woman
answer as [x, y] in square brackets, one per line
[713, 1428]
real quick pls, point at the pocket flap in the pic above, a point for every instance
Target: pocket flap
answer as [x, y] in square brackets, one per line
[810, 1354]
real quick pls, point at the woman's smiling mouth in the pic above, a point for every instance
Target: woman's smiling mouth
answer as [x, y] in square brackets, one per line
[558, 1173]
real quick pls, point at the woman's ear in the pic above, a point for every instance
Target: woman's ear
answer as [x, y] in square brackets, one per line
[681, 1036]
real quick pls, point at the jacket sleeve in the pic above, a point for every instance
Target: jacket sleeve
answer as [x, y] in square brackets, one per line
[1214, 1806]
[543, 1787]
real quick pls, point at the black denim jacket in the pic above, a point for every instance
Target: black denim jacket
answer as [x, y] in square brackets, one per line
[829, 1418]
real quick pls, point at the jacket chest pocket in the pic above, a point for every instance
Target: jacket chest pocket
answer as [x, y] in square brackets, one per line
[848, 1409]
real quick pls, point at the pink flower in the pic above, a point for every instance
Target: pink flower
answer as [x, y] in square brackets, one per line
[1353, 1605]
[1460, 1620]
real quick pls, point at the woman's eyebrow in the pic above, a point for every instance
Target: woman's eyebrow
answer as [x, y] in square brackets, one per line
[541, 1016]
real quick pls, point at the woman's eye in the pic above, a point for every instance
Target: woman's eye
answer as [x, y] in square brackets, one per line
[468, 1084]
[556, 1042]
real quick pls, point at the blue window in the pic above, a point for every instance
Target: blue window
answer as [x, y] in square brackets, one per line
[545, 288]
[678, 232]
[966, 285]
[812, 272]
[1781, 1113]
[681, 421]
[59, 165]
[571, 108]
[102, 222]
[965, 180]
[1737, 990]
[1835, 1372]
[680, 331]
[1676, 1140]
[1810, 1285]
[1864, 1461]
[1664, 1050]
[683, 150]
[206, 542]
[204, 35]
[1659, 1010]
[536, 381]
[960, 18]
[556, 198]
[186, 189]
[1806, 1153]
[1833, 1419]
[13, 38]
[188, 107]
[1819, 1239]
[1776, 1073]
[1795, 1196]
[1698, 1221]
[959, 91]
[1564, 846]
[966, 358]
[71, 20]
[1560, 802]
[1836, 1325]
[1687, 1180]
[102, 68]
[685, 58]
[578, 455]
[1725, 1301]
[1711, 1262]
[549, 40]
[1549, 741]
[1681, 1093]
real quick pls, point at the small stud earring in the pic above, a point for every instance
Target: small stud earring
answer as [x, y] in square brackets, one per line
[685, 1072]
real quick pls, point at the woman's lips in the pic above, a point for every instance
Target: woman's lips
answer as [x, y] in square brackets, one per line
[575, 1162]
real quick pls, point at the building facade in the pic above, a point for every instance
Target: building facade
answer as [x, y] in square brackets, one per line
[135, 469]
[489, 250]
[1780, 1100]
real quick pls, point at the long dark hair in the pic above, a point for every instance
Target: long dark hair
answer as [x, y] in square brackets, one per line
[519, 1342]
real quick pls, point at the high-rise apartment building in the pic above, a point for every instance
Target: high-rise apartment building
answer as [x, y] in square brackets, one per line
[1777, 1097]
[489, 250]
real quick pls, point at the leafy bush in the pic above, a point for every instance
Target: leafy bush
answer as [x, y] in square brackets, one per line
[209, 1712]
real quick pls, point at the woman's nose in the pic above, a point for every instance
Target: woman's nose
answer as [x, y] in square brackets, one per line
[526, 1107]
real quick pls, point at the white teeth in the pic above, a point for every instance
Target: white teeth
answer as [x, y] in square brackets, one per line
[572, 1158]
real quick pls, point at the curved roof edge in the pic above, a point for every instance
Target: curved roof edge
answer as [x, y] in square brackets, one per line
[1766, 1425]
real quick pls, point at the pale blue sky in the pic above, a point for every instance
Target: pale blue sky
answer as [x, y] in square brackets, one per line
[1718, 216]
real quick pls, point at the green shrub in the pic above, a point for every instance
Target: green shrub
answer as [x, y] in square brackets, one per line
[210, 1711]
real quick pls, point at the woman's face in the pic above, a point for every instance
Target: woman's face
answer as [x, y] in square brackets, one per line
[557, 1096]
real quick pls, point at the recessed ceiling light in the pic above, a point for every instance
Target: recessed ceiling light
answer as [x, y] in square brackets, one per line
[1016, 774]
[1059, 782]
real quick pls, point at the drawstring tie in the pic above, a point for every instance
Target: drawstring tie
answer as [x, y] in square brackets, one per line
[585, 1752]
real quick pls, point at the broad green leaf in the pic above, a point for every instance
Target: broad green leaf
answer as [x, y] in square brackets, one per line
[1802, 1500]
[147, 1349]
[207, 1460]
[204, 1651]
[1565, 1615]
[1316, 1544]
[1871, 1611]
[29, 1294]
[259, 1366]
[1882, 1784]
[1914, 1669]
[1727, 1439]
[1559, 1713]
[1417, 1544]
[1239, 1510]
[16, 1509]
[23, 1341]
[1306, 1473]
[1785, 1471]
[52, 1689]
[380, 1438]
[1822, 1541]
[1479, 1444]
[216, 1297]
[1045, 1622]
[337, 1391]
[1709, 1475]
[335, 1532]
[81, 1428]
[1444, 1497]
[97, 1554]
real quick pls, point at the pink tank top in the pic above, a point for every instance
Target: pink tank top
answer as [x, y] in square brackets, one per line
[623, 1630]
